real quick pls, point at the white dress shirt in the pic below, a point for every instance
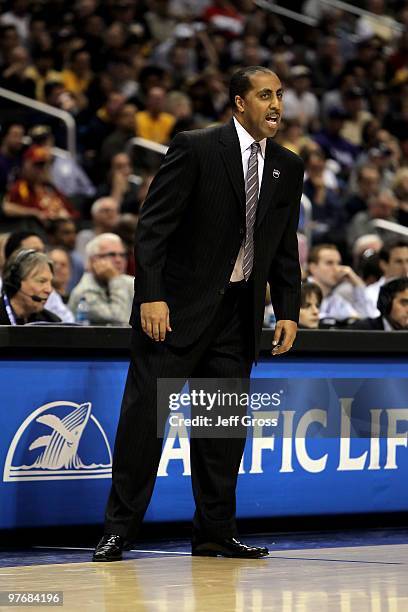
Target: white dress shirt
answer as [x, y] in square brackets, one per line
[245, 142]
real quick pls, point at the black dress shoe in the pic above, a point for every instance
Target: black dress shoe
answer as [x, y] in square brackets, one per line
[229, 547]
[109, 548]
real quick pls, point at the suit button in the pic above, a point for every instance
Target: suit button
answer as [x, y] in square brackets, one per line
[241, 230]
[232, 262]
[221, 291]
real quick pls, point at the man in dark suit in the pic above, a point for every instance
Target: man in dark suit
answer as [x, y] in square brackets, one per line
[219, 222]
[393, 306]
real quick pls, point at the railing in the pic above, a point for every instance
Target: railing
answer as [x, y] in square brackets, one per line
[146, 144]
[270, 5]
[390, 226]
[355, 10]
[47, 110]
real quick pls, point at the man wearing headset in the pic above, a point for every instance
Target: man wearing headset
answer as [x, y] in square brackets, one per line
[393, 306]
[27, 278]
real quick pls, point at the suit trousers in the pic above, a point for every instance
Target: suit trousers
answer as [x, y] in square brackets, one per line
[223, 351]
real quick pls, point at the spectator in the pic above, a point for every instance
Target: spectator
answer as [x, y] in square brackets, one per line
[400, 189]
[393, 308]
[333, 144]
[311, 297]
[19, 17]
[384, 205]
[393, 261]
[326, 270]
[10, 154]
[63, 233]
[357, 115]
[34, 195]
[27, 278]
[62, 271]
[105, 286]
[42, 71]
[66, 174]
[154, 123]
[105, 216]
[368, 185]
[300, 102]
[124, 131]
[122, 184]
[31, 240]
[78, 76]
[327, 212]
[15, 77]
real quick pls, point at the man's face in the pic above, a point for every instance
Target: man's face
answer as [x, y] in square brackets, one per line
[14, 138]
[107, 216]
[309, 312]
[399, 308]
[114, 252]
[66, 235]
[326, 270]
[397, 266]
[369, 182]
[62, 267]
[260, 110]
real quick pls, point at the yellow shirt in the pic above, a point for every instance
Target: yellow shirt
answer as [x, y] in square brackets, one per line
[157, 128]
[73, 83]
[40, 80]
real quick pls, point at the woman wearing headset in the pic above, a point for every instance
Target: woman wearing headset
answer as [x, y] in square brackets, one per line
[27, 278]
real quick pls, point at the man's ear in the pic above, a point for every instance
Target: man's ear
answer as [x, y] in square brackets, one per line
[239, 103]
[383, 266]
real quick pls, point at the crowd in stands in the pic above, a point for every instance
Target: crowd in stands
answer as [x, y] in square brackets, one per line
[126, 69]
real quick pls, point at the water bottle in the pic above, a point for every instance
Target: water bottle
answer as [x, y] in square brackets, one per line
[82, 313]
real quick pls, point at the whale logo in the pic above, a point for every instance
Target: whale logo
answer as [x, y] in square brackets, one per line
[63, 426]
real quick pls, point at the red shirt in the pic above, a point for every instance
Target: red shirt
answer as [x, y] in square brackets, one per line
[44, 197]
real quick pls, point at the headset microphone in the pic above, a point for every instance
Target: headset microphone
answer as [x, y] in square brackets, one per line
[35, 298]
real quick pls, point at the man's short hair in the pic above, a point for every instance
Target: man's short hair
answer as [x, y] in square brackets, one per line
[309, 288]
[97, 205]
[388, 292]
[389, 246]
[240, 82]
[15, 240]
[314, 252]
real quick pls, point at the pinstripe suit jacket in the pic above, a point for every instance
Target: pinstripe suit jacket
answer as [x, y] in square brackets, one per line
[193, 223]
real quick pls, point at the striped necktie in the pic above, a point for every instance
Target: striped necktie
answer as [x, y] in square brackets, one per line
[251, 192]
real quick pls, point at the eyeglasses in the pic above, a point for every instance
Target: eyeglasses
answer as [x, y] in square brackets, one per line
[113, 254]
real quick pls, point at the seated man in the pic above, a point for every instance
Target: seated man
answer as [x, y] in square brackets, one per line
[393, 306]
[107, 289]
[336, 281]
[27, 278]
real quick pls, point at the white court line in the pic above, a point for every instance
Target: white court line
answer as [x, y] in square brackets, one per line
[158, 552]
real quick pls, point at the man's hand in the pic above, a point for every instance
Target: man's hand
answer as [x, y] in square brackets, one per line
[285, 334]
[104, 269]
[155, 319]
[347, 273]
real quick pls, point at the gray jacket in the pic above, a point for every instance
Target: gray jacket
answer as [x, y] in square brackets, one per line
[109, 304]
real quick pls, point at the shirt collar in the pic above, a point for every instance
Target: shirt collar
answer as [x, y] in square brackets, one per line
[387, 325]
[246, 140]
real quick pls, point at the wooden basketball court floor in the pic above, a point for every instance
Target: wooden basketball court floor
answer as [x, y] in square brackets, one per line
[344, 572]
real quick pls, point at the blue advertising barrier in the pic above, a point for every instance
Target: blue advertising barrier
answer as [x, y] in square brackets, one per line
[340, 445]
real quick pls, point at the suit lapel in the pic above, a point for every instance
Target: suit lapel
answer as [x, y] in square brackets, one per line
[232, 158]
[270, 180]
